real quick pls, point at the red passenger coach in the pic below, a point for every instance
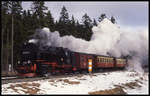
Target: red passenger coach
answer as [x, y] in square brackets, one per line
[104, 62]
[82, 60]
[121, 63]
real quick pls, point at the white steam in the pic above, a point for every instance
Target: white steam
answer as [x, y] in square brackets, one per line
[107, 37]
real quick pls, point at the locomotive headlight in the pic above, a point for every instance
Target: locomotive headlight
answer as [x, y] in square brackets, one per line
[18, 62]
[61, 59]
[29, 61]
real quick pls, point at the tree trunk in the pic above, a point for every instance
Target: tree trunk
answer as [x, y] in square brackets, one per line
[7, 51]
[12, 45]
[2, 68]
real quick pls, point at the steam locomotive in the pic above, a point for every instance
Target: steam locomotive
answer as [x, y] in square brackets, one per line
[50, 60]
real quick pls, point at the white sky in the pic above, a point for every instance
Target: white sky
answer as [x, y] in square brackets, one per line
[126, 13]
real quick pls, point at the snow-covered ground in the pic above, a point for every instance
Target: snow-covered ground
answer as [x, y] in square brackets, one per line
[130, 82]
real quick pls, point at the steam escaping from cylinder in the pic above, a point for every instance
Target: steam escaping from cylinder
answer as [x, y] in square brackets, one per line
[107, 39]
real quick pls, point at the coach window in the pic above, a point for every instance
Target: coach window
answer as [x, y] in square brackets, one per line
[118, 61]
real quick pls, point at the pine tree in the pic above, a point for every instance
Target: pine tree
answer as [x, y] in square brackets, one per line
[87, 21]
[87, 25]
[38, 9]
[73, 20]
[16, 10]
[103, 16]
[4, 35]
[63, 24]
[72, 27]
[12, 12]
[94, 22]
[64, 15]
[79, 29]
[50, 21]
[113, 20]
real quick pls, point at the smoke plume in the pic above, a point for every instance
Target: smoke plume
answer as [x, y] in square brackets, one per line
[107, 38]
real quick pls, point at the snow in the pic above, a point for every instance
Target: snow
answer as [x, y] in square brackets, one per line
[8, 77]
[143, 90]
[85, 83]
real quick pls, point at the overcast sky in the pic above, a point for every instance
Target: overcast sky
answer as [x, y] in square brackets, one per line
[126, 13]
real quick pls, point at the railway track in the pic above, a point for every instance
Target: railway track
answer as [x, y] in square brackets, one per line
[29, 79]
